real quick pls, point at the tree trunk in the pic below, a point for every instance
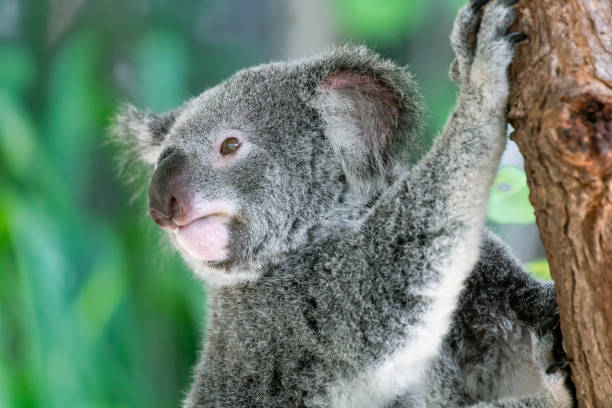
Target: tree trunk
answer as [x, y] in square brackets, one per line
[561, 108]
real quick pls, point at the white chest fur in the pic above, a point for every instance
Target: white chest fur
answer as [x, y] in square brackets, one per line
[403, 370]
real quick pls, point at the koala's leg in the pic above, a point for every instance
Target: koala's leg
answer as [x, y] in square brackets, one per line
[555, 395]
[551, 383]
[505, 342]
[447, 387]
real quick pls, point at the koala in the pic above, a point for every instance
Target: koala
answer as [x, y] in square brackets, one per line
[345, 268]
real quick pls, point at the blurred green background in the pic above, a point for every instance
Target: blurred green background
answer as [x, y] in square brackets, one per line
[95, 309]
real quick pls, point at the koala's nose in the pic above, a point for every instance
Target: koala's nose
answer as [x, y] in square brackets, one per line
[168, 194]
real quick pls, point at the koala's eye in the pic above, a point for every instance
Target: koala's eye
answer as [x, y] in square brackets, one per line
[230, 145]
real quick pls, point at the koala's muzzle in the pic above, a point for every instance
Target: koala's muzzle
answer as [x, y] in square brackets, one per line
[168, 195]
[200, 224]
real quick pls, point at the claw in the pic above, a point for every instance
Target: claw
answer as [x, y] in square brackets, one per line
[478, 4]
[518, 37]
[549, 324]
[557, 366]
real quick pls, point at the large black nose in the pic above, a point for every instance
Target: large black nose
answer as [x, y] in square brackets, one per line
[168, 188]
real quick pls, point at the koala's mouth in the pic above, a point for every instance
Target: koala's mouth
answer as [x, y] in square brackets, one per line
[206, 237]
[201, 227]
[182, 224]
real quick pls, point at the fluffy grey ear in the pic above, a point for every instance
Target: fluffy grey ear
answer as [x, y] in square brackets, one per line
[371, 108]
[362, 116]
[142, 133]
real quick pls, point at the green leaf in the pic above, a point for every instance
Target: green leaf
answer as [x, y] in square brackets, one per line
[17, 68]
[75, 99]
[162, 61]
[509, 199]
[539, 268]
[381, 21]
[17, 136]
[5, 389]
[455, 5]
[102, 293]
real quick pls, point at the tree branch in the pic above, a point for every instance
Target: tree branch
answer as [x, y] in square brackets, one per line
[561, 108]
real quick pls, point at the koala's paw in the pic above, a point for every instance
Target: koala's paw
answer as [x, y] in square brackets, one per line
[463, 38]
[558, 374]
[484, 49]
[559, 393]
[550, 328]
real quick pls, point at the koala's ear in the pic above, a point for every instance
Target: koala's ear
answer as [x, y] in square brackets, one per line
[141, 133]
[371, 109]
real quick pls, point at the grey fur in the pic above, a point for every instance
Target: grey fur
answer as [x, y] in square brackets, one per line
[345, 264]
[495, 354]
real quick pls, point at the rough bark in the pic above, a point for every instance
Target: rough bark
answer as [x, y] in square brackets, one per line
[561, 108]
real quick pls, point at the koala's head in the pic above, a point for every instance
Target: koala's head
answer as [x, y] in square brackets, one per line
[274, 158]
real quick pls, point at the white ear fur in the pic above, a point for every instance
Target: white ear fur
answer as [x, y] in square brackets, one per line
[361, 116]
[142, 132]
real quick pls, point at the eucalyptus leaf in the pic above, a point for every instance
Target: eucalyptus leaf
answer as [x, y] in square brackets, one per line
[509, 199]
[17, 136]
[17, 68]
[380, 21]
[539, 268]
[105, 288]
[75, 97]
[162, 61]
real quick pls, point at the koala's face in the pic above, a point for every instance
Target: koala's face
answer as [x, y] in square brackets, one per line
[274, 158]
[243, 172]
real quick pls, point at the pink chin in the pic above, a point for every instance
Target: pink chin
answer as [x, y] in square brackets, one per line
[205, 238]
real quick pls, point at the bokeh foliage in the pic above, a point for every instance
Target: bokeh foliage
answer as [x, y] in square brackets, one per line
[96, 311]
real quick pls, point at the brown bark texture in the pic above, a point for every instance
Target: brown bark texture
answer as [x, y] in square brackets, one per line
[561, 109]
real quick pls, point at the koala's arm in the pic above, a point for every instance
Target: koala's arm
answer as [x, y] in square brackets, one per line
[424, 233]
[437, 210]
